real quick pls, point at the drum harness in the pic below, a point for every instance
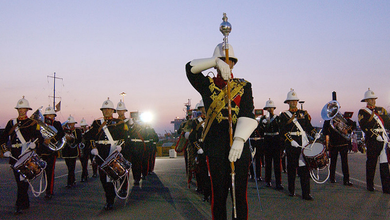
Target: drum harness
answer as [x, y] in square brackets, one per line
[109, 137]
[385, 137]
[25, 147]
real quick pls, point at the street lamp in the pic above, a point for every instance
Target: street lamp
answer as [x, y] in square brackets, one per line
[123, 96]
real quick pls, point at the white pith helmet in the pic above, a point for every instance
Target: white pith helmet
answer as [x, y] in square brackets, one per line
[291, 96]
[200, 104]
[121, 106]
[107, 104]
[83, 122]
[219, 51]
[23, 103]
[369, 94]
[49, 111]
[269, 104]
[71, 120]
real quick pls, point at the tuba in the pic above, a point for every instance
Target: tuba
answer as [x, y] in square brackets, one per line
[48, 132]
[331, 112]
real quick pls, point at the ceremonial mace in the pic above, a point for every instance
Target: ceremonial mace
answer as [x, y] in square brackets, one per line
[225, 29]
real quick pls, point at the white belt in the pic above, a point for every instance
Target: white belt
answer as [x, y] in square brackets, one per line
[256, 138]
[136, 140]
[271, 134]
[297, 133]
[105, 142]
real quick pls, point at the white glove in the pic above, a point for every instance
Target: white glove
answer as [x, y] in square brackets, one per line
[187, 135]
[95, 152]
[7, 154]
[119, 148]
[379, 138]
[32, 146]
[294, 144]
[200, 151]
[224, 68]
[317, 136]
[264, 121]
[236, 149]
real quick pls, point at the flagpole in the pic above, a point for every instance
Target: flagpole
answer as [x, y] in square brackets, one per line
[54, 88]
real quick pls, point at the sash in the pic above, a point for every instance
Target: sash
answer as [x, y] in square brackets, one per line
[219, 103]
[382, 156]
[305, 141]
[108, 134]
[20, 136]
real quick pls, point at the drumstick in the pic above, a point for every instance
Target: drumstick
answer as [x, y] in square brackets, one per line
[315, 139]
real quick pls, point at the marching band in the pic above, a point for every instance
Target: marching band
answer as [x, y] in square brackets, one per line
[223, 133]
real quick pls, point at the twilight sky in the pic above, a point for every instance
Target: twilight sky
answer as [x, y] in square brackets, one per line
[103, 48]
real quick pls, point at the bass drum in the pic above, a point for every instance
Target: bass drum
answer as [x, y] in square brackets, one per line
[29, 165]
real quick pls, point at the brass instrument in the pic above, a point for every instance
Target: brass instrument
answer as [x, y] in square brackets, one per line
[331, 112]
[48, 132]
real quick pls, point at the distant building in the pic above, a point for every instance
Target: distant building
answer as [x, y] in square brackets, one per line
[176, 123]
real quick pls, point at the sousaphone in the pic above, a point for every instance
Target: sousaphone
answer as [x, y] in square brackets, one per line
[48, 132]
[331, 111]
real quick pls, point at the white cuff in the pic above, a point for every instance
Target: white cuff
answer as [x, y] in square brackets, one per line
[199, 65]
[245, 127]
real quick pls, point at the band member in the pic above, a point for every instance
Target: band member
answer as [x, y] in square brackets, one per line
[216, 135]
[70, 152]
[195, 137]
[269, 127]
[85, 151]
[191, 153]
[138, 148]
[47, 154]
[121, 110]
[182, 144]
[337, 143]
[374, 121]
[257, 143]
[153, 139]
[105, 134]
[295, 126]
[147, 151]
[18, 136]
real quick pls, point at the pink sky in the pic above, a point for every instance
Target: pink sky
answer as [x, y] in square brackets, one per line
[101, 49]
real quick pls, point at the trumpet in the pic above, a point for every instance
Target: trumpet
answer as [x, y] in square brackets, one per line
[331, 111]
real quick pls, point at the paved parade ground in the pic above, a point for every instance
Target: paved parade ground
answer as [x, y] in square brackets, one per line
[165, 195]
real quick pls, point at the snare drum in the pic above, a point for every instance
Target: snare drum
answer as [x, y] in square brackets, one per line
[315, 156]
[116, 166]
[29, 165]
